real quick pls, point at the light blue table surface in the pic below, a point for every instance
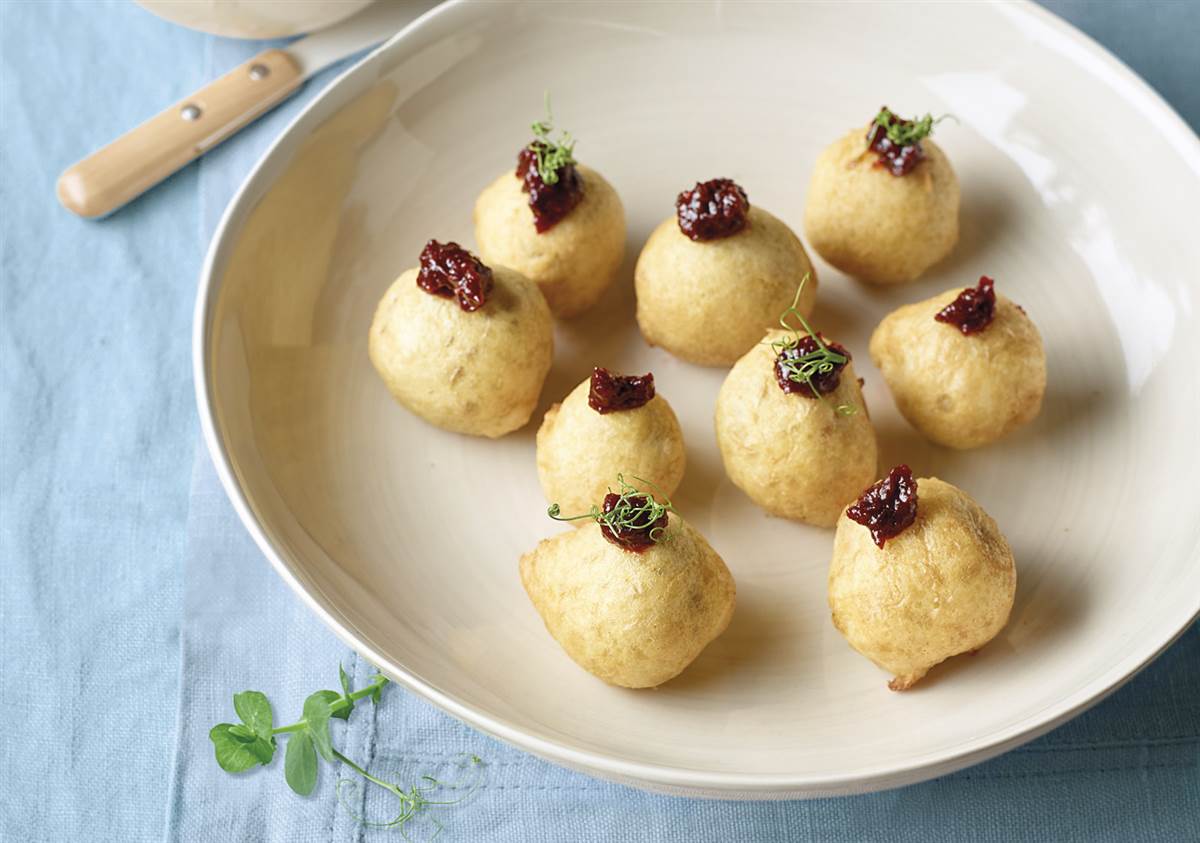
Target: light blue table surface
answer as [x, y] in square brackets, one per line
[132, 604]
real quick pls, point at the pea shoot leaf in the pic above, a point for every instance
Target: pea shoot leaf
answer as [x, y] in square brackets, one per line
[300, 763]
[317, 710]
[255, 711]
[237, 751]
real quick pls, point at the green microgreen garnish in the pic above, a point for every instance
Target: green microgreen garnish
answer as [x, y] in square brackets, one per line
[552, 156]
[906, 132]
[241, 746]
[634, 510]
[820, 360]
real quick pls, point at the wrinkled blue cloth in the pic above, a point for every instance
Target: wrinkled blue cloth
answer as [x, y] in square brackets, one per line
[133, 604]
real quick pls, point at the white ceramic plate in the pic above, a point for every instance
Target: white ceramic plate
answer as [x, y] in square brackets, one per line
[1081, 194]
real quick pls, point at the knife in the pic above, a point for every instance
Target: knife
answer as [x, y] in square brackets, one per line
[141, 158]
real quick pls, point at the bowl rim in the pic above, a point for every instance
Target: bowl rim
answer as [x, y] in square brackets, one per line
[678, 780]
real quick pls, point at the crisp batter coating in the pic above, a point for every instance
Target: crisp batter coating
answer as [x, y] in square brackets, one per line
[632, 619]
[875, 226]
[794, 456]
[580, 452]
[961, 391]
[942, 587]
[708, 302]
[573, 262]
[479, 373]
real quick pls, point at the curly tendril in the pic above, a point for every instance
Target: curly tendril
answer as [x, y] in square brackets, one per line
[806, 367]
[552, 156]
[632, 512]
[415, 801]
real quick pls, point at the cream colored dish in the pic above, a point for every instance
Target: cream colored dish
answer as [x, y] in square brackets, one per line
[404, 539]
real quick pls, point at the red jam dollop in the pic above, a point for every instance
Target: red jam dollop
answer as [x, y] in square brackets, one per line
[974, 308]
[896, 159]
[450, 271]
[825, 382]
[549, 202]
[888, 507]
[609, 393]
[636, 537]
[712, 209]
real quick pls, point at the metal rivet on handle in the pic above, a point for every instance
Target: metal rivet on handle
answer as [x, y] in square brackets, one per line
[190, 112]
[259, 71]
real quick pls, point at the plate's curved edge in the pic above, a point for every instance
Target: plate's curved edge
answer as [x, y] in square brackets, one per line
[1035, 12]
[658, 778]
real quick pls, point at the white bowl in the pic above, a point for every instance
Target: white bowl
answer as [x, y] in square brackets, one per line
[1081, 194]
[254, 18]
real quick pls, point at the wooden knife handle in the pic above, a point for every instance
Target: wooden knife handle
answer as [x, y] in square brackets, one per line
[142, 157]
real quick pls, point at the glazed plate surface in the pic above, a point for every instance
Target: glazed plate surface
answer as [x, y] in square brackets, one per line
[405, 539]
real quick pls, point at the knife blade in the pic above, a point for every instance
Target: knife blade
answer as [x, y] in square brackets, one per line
[142, 157]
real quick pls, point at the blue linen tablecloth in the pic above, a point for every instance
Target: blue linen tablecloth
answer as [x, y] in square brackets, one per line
[132, 603]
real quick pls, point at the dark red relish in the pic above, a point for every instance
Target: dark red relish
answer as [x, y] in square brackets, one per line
[896, 159]
[549, 202]
[888, 507]
[712, 209]
[825, 382]
[450, 271]
[610, 392]
[974, 308]
[635, 537]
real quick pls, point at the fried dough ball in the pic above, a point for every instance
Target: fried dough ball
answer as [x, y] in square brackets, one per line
[580, 449]
[478, 372]
[961, 390]
[873, 225]
[575, 260]
[943, 586]
[708, 301]
[632, 619]
[795, 456]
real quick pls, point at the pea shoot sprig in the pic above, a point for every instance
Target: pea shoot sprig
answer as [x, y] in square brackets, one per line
[804, 368]
[634, 510]
[252, 742]
[552, 156]
[906, 132]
